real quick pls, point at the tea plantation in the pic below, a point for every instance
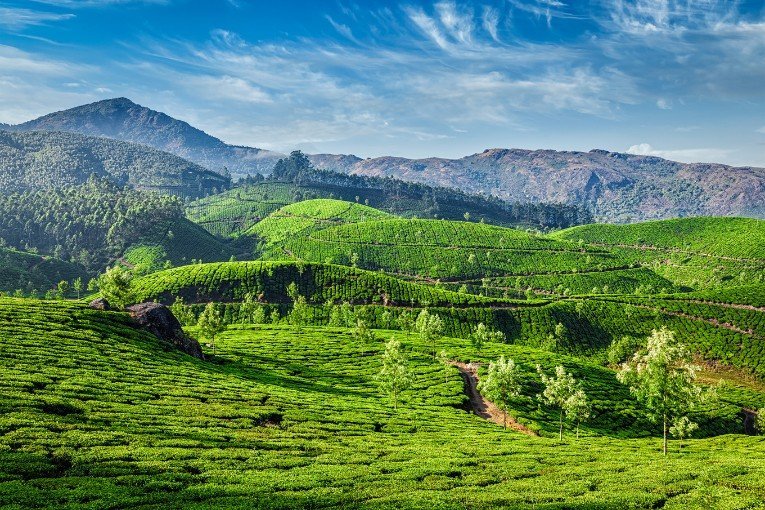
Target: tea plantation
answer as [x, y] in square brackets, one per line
[96, 414]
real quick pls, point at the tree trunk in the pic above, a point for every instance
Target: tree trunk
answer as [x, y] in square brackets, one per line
[665, 434]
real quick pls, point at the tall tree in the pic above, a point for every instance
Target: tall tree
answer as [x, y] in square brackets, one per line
[394, 377]
[662, 377]
[211, 323]
[501, 383]
[481, 334]
[116, 286]
[558, 391]
[429, 326]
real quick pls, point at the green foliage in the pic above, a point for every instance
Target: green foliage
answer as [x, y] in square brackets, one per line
[116, 285]
[29, 271]
[663, 378]
[482, 335]
[93, 224]
[563, 392]
[501, 384]
[430, 327]
[48, 160]
[211, 323]
[394, 377]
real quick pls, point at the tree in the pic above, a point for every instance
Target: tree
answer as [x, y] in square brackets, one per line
[182, 312]
[362, 333]
[211, 323]
[77, 286]
[558, 390]
[406, 321]
[761, 421]
[663, 379]
[116, 286]
[682, 427]
[394, 377]
[578, 408]
[429, 326]
[247, 309]
[482, 334]
[443, 358]
[63, 288]
[502, 382]
[298, 317]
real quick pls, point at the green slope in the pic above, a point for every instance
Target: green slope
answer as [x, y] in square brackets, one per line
[304, 217]
[720, 237]
[28, 271]
[444, 249]
[97, 414]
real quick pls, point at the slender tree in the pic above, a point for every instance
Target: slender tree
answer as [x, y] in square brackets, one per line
[558, 390]
[394, 377]
[501, 383]
[211, 323]
[578, 408]
[77, 285]
[406, 322]
[662, 377]
[116, 286]
[429, 326]
[481, 334]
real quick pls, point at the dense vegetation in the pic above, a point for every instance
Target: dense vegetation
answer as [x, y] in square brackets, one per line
[44, 160]
[93, 224]
[96, 413]
[31, 273]
[294, 180]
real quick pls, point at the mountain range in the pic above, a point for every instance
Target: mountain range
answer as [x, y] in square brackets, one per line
[617, 187]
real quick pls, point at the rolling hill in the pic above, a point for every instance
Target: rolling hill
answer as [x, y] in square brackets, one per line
[43, 160]
[30, 272]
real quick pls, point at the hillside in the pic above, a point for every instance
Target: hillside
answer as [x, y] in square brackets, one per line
[616, 187]
[121, 119]
[443, 249]
[95, 223]
[304, 217]
[30, 272]
[694, 252]
[40, 160]
[97, 413]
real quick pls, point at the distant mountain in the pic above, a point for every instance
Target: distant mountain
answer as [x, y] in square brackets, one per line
[124, 120]
[615, 186]
[41, 159]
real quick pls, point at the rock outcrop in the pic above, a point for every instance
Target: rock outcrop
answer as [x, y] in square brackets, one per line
[100, 304]
[159, 320]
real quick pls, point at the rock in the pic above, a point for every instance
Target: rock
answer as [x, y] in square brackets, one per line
[159, 320]
[100, 304]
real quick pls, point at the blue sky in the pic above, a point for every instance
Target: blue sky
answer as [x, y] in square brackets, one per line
[679, 79]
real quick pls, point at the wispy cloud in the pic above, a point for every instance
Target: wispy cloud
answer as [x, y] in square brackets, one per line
[98, 3]
[683, 155]
[17, 18]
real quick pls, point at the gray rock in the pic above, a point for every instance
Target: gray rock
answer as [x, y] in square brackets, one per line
[159, 320]
[100, 304]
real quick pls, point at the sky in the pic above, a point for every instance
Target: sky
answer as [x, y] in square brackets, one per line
[683, 80]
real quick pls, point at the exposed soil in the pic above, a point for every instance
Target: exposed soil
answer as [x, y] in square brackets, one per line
[482, 407]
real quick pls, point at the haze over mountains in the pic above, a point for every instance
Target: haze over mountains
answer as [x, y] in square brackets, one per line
[615, 186]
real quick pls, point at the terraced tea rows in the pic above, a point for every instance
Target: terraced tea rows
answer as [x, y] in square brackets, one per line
[95, 414]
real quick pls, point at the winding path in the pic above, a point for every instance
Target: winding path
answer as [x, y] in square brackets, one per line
[482, 407]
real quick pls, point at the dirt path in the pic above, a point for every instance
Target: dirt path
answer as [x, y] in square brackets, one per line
[482, 407]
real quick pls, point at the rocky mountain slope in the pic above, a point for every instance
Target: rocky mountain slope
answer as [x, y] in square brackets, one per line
[125, 120]
[617, 187]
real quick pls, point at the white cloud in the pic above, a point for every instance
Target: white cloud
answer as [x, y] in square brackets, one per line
[761, 130]
[98, 3]
[15, 18]
[663, 104]
[682, 155]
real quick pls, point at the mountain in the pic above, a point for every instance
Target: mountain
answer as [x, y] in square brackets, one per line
[617, 187]
[41, 159]
[125, 120]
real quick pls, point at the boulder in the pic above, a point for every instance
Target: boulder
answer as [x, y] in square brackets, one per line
[159, 320]
[100, 304]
